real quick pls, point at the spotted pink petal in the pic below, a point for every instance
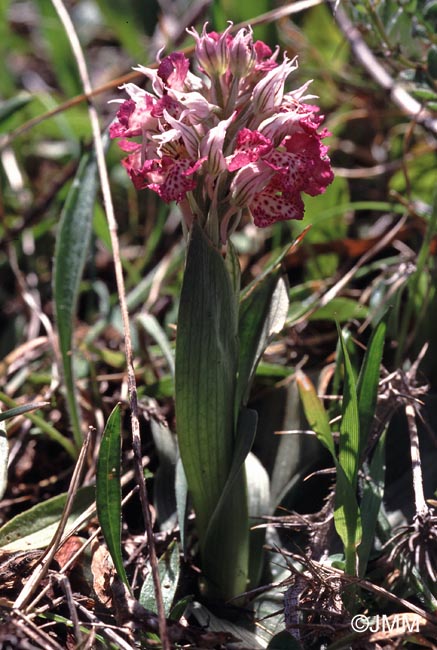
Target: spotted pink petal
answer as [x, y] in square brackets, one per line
[269, 206]
[170, 179]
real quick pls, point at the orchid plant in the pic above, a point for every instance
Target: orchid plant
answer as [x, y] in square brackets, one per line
[221, 140]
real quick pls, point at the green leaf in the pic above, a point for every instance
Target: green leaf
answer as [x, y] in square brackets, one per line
[4, 456]
[149, 323]
[346, 513]
[20, 410]
[349, 446]
[368, 381]
[315, 413]
[340, 310]
[11, 106]
[71, 248]
[108, 489]
[262, 314]
[373, 493]
[164, 480]
[258, 495]
[206, 368]
[168, 568]
[35, 527]
[226, 542]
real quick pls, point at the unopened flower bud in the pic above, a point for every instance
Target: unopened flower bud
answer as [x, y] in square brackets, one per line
[242, 54]
[212, 51]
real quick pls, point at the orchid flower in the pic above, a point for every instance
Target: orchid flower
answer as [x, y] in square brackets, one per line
[226, 137]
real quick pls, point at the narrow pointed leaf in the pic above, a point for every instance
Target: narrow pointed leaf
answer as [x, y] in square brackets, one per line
[314, 411]
[20, 410]
[71, 249]
[349, 447]
[108, 489]
[368, 381]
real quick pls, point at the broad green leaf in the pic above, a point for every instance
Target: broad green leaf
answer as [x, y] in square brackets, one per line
[168, 568]
[71, 249]
[4, 456]
[206, 368]
[262, 314]
[368, 381]
[108, 489]
[226, 542]
[35, 527]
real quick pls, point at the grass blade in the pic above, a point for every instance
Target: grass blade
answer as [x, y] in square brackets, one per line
[72, 245]
[108, 490]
